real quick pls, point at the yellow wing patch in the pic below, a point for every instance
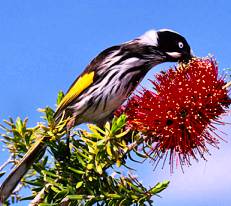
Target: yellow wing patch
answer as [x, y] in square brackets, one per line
[82, 83]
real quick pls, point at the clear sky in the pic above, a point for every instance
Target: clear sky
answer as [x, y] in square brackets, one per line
[45, 44]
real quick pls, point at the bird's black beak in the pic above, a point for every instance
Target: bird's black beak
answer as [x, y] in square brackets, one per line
[186, 56]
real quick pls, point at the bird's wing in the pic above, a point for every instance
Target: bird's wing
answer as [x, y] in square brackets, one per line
[87, 78]
[79, 85]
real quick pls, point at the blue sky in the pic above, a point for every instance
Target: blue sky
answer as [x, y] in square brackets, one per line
[44, 45]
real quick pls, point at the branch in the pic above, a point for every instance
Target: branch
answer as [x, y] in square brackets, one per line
[6, 162]
[227, 85]
[40, 196]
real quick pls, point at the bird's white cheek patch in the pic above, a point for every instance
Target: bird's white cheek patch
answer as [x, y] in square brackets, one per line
[174, 54]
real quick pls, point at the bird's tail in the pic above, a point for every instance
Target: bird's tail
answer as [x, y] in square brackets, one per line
[21, 169]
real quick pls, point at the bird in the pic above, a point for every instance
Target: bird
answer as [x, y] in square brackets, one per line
[104, 86]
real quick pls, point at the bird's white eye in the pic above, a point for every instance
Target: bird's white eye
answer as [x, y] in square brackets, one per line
[180, 44]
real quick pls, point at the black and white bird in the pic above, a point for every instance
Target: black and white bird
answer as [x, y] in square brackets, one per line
[105, 84]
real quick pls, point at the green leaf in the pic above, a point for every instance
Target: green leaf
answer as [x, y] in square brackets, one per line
[122, 134]
[136, 188]
[114, 196]
[93, 127]
[19, 124]
[27, 198]
[107, 127]
[80, 172]
[108, 149]
[59, 97]
[79, 184]
[159, 187]
[90, 166]
[96, 131]
[99, 168]
[49, 115]
[55, 189]
[118, 123]
[61, 194]
[81, 160]
[35, 182]
[76, 197]
[45, 172]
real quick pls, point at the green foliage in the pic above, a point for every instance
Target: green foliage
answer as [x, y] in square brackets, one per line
[77, 171]
[60, 97]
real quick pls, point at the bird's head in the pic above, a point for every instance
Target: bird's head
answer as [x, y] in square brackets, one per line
[172, 46]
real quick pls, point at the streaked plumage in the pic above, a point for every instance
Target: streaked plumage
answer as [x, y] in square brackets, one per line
[117, 72]
[106, 83]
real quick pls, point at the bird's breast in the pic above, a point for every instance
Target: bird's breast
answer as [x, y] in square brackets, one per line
[110, 95]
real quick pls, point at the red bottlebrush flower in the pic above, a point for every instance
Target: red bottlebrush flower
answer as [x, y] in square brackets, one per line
[178, 116]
